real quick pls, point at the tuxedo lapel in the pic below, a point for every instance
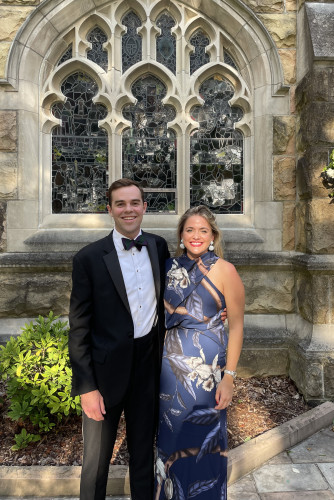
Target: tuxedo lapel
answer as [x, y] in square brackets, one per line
[153, 254]
[114, 269]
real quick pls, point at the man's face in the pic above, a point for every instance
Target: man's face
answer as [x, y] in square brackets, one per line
[127, 209]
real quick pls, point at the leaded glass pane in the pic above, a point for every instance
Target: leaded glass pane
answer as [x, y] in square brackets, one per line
[228, 59]
[66, 56]
[216, 150]
[97, 54]
[131, 41]
[199, 57]
[166, 42]
[79, 149]
[149, 148]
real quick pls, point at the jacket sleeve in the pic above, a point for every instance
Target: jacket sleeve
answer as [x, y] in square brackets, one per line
[80, 318]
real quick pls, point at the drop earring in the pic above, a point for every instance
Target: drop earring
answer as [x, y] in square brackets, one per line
[211, 247]
[182, 245]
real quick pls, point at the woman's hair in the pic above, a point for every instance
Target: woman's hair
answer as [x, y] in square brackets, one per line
[202, 211]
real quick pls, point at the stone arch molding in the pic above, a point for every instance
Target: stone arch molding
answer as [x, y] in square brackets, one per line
[32, 70]
[50, 23]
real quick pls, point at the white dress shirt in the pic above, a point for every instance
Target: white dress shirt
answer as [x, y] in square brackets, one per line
[139, 283]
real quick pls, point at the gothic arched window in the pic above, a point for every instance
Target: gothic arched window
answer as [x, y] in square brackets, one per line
[79, 149]
[152, 95]
[216, 150]
[149, 148]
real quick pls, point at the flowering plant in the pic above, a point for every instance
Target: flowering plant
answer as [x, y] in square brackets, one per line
[327, 176]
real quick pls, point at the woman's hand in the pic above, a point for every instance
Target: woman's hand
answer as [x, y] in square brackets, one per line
[223, 315]
[224, 392]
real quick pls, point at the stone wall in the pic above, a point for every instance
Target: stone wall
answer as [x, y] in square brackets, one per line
[290, 285]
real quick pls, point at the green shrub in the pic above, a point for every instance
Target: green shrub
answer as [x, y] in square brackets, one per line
[36, 368]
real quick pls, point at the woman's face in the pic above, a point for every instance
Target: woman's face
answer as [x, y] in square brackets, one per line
[197, 236]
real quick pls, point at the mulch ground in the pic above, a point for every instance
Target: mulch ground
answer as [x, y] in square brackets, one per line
[259, 404]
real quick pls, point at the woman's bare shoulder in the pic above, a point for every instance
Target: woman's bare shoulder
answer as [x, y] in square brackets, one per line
[225, 266]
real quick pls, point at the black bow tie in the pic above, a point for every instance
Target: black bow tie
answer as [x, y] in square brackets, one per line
[139, 242]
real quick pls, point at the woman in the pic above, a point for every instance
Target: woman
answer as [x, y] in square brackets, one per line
[199, 363]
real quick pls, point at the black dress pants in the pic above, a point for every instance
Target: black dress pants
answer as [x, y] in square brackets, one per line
[139, 405]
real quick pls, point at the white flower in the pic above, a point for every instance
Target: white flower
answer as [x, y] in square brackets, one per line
[218, 375]
[160, 470]
[178, 276]
[194, 362]
[204, 371]
[192, 376]
[208, 385]
[330, 172]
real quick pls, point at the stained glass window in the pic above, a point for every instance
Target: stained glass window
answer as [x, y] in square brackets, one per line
[66, 56]
[131, 41]
[149, 148]
[166, 42]
[199, 57]
[228, 59]
[216, 150]
[97, 54]
[79, 149]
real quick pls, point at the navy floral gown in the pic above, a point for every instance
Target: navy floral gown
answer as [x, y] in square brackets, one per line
[192, 438]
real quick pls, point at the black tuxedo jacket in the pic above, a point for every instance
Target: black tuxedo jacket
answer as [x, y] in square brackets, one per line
[101, 334]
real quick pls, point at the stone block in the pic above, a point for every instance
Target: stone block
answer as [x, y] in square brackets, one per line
[268, 215]
[309, 168]
[289, 215]
[8, 175]
[291, 5]
[315, 298]
[320, 18]
[282, 27]
[293, 99]
[265, 6]
[3, 235]
[11, 21]
[284, 178]
[268, 292]
[20, 2]
[322, 298]
[329, 377]
[263, 362]
[321, 234]
[304, 296]
[4, 50]
[8, 132]
[284, 135]
[301, 211]
[27, 294]
[322, 84]
[289, 63]
[315, 126]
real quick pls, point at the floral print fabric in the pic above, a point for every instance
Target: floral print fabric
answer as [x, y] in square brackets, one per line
[192, 437]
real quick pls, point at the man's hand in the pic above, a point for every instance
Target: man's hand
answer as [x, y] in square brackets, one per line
[223, 315]
[93, 405]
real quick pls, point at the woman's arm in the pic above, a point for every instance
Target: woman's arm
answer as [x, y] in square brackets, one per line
[226, 278]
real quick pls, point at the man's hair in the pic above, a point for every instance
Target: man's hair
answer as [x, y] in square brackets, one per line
[120, 183]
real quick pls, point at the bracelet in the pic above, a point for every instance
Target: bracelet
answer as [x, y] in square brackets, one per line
[231, 372]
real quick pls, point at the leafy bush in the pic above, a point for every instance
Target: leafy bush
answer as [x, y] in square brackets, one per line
[36, 368]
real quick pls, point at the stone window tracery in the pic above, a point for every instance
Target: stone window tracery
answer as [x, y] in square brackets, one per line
[216, 150]
[97, 54]
[166, 42]
[199, 57]
[79, 149]
[164, 125]
[66, 56]
[149, 148]
[131, 41]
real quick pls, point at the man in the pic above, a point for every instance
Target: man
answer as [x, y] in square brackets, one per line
[116, 335]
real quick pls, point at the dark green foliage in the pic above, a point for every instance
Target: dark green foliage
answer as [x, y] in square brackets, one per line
[35, 366]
